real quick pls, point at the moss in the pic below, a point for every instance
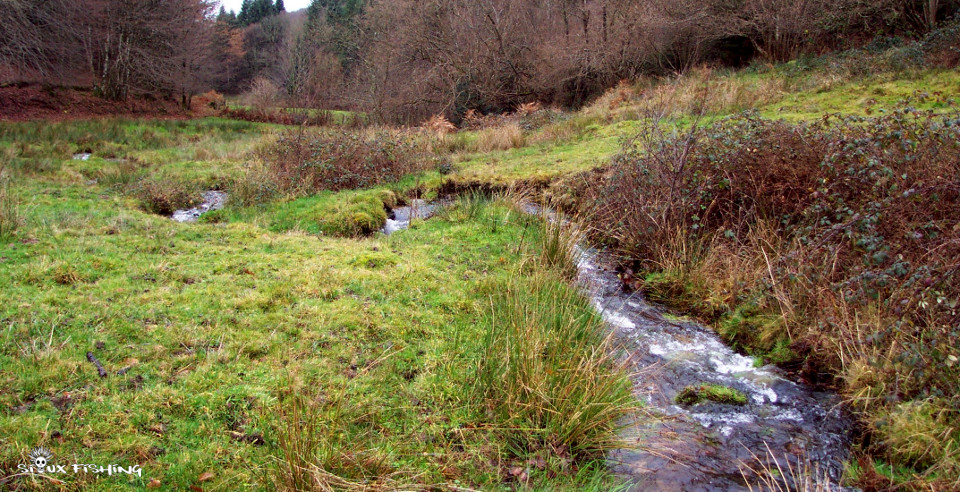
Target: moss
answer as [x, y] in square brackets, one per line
[214, 217]
[341, 214]
[692, 395]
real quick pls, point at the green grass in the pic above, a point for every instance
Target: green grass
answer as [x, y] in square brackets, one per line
[220, 324]
[288, 328]
[928, 89]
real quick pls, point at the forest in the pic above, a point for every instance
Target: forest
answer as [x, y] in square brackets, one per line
[405, 60]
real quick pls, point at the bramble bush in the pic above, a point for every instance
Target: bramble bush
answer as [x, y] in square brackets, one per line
[304, 163]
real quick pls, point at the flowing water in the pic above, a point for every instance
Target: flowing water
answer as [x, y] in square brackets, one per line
[212, 200]
[709, 446]
[400, 217]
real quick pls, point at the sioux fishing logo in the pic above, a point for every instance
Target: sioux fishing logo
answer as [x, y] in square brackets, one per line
[40, 457]
[41, 462]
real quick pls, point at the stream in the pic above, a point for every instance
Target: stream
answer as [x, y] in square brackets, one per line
[212, 200]
[710, 446]
[707, 446]
[399, 218]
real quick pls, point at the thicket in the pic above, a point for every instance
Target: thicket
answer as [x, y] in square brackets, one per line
[832, 248]
[305, 162]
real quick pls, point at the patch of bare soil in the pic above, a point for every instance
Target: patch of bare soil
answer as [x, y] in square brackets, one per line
[36, 102]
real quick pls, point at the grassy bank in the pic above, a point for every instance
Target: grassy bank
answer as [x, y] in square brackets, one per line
[253, 351]
[828, 248]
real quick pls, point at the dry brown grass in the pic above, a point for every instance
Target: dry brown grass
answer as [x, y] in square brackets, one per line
[696, 91]
[529, 108]
[772, 474]
[312, 456]
[504, 137]
[10, 216]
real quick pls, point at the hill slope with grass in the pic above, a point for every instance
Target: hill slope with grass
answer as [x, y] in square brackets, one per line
[806, 210]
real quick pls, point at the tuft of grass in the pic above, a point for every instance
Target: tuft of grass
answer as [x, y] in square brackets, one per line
[922, 435]
[313, 452]
[560, 240]
[692, 395]
[548, 376]
[11, 218]
[468, 206]
[502, 137]
[64, 274]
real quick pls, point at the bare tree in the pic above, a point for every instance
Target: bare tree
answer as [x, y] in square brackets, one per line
[146, 44]
[38, 37]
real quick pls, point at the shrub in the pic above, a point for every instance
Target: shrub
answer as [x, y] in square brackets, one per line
[307, 163]
[163, 196]
[255, 185]
[263, 95]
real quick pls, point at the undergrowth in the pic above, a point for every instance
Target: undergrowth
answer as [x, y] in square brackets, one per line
[303, 163]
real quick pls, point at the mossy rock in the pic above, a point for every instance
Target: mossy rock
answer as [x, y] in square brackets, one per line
[692, 395]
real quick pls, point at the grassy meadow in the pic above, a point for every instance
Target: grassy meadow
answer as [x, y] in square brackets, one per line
[284, 343]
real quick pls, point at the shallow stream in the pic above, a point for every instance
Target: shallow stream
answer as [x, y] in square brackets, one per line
[212, 200]
[707, 446]
[710, 446]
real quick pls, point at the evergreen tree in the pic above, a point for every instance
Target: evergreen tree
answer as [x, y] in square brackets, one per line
[245, 13]
[278, 7]
[262, 9]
